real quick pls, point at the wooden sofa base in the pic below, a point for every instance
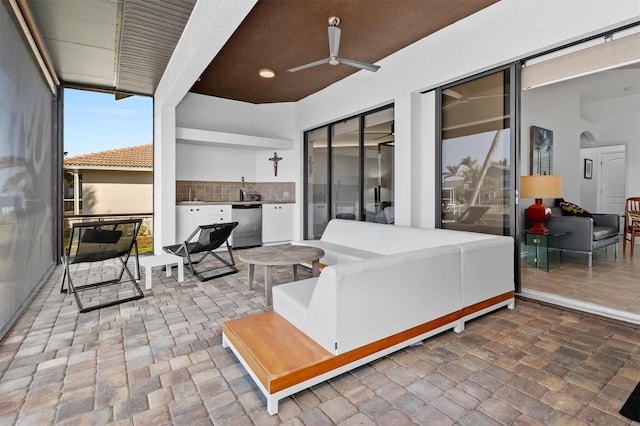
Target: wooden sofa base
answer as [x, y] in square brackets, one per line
[282, 360]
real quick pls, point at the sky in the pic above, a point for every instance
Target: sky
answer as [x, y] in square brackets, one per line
[476, 146]
[96, 122]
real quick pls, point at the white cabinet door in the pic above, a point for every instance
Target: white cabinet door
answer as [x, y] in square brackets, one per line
[219, 214]
[277, 222]
[189, 217]
[185, 221]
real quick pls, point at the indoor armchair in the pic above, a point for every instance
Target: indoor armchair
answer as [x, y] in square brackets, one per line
[584, 234]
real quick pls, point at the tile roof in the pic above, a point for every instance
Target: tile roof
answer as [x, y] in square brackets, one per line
[134, 157]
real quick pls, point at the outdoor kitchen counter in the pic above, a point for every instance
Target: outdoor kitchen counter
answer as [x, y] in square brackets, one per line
[227, 203]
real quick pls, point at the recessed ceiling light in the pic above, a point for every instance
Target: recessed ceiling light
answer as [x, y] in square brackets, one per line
[267, 73]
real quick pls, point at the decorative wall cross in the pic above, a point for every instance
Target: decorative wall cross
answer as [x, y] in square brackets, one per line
[275, 160]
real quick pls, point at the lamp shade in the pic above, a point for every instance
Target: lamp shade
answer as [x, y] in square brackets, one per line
[541, 186]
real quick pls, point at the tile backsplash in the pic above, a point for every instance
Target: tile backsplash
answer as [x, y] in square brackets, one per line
[213, 191]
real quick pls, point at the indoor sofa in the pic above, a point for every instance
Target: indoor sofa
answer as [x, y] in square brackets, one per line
[583, 234]
[384, 287]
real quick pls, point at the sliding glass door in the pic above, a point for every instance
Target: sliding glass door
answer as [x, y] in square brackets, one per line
[379, 144]
[476, 157]
[316, 191]
[345, 169]
[349, 171]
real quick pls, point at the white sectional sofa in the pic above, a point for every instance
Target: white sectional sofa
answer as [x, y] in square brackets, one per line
[384, 287]
[384, 279]
[353, 304]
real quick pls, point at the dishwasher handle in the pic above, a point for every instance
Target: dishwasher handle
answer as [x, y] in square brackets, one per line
[246, 206]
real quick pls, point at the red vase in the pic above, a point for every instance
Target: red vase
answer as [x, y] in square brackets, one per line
[538, 213]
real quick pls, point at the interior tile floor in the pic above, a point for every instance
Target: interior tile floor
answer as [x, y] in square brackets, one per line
[159, 360]
[612, 282]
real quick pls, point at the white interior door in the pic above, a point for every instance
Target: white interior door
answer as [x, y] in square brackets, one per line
[613, 182]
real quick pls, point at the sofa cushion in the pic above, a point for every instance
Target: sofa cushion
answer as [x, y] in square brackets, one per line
[570, 209]
[399, 239]
[337, 253]
[389, 294]
[292, 299]
[352, 233]
[602, 232]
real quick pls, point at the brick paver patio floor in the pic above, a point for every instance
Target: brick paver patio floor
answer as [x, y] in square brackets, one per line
[159, 360]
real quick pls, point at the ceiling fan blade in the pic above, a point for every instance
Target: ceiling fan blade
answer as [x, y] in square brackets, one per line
[452, 93]
[334, 41]
[451, 105]
[312, 64]
[361, 65]
[472, 98]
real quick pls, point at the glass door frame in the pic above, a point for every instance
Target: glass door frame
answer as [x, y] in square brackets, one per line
[514, 140]
[361, 149]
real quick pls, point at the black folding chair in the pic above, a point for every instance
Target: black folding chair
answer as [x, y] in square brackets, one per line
[201, 243]
[92, 242]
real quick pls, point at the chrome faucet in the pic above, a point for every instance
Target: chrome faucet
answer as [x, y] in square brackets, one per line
[189, 194]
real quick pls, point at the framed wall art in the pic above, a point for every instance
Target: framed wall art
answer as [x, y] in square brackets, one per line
[588, 168]
[541, 155]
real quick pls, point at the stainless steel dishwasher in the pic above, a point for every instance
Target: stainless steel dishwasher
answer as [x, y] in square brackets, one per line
[248, 233]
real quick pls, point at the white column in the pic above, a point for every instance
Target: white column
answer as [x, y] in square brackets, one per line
[164, 178]
[76, 192]
[208, 29]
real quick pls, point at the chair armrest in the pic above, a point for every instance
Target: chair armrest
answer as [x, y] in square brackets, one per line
[579, 231]
[601, 219]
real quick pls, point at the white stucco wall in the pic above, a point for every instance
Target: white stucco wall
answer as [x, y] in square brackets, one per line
[204, 161]
[619, 123]
[557, 109]
[274, 120]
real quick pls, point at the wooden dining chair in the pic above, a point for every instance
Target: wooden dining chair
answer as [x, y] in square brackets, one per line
[631, 222]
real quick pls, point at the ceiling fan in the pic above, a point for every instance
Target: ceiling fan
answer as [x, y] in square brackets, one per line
[334, 47]
[461, 99]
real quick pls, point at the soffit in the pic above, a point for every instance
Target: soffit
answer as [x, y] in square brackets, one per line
[120, 45]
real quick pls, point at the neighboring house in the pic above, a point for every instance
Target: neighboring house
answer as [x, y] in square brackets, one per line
[114, 181]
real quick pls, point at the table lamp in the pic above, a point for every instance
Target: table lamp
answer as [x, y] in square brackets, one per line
[539, 187]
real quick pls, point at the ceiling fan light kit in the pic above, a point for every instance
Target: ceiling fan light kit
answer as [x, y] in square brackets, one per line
[334, 48]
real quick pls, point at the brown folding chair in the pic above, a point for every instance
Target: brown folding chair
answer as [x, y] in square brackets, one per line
[93, 242]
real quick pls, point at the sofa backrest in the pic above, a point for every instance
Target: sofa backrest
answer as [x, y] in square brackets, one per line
[390, 294]
[391, 239]
[399, 239]
[352, 233]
